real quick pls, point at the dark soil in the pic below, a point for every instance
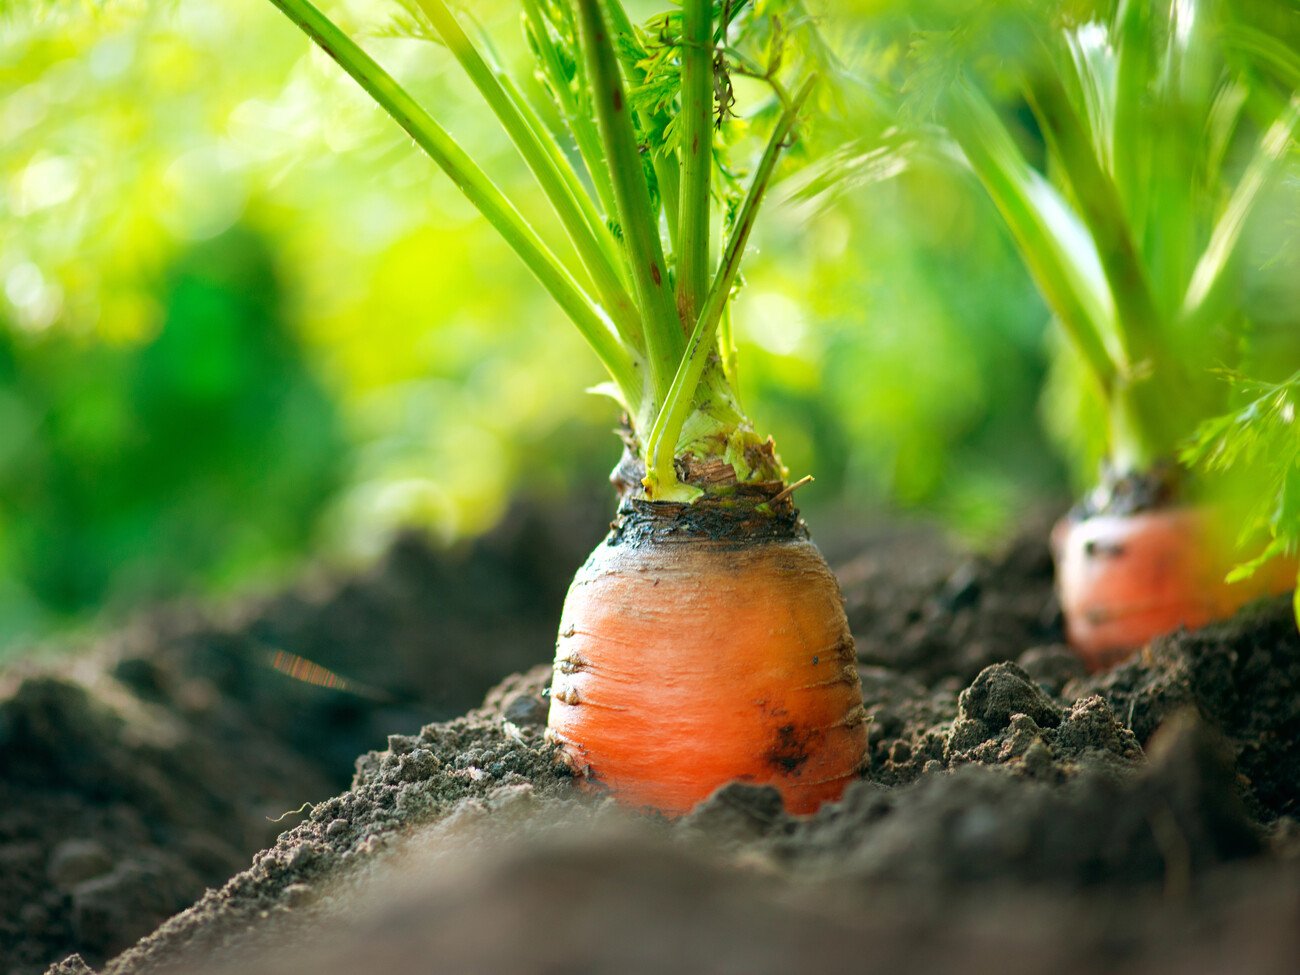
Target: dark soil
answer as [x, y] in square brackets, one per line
[1243, 677]
[1015, 815]
[136, 776]
[918, 608]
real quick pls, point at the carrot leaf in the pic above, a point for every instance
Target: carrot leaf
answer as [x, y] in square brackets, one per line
[1259, 442]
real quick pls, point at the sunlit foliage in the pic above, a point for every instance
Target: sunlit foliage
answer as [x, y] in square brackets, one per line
[889, 340]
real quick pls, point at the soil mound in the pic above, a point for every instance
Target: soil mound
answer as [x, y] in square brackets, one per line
[1014, 815]
[154, 766]
[992, 837]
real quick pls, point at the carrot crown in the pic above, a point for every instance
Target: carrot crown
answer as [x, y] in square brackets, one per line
[635, 171]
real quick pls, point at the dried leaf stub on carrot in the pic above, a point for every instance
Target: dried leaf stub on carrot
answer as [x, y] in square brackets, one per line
[705, 640]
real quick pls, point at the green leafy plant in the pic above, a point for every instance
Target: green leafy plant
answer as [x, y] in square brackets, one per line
[635, 168]
[1258, 442]
[1135, 262]
[1162, 127]
[1127, 146]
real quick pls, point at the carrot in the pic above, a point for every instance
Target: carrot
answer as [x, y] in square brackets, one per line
[705, 640]
[1126, 579]
[1140, 263]
[694, 652]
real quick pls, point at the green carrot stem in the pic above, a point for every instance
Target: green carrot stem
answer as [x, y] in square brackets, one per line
[1049, 241]
[697, 156]
[669, 176]
[1129, 136]
[1138, 320]
[477, 187]
[1207, 281]
[663, 332]
[575, 111]
[727, 350]
[618, 303]
[1264, 49]
[667, 173]
[661, 448]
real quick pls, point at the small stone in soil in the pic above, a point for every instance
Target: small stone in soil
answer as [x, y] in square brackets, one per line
[295, 895]
[1003, 690]
[525, 710]
[72, 965]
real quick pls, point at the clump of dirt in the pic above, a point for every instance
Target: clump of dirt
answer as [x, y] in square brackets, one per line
[1003, 718]
[117, 812]
[1115, 821]
[1242, 676]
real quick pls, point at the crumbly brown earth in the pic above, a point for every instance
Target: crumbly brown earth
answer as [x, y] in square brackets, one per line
[136, 775]
[1016, 815]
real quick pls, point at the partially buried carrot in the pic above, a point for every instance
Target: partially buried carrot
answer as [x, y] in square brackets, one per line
[1141, 263]
[1126, 579]
[705, 640]
[701, 647]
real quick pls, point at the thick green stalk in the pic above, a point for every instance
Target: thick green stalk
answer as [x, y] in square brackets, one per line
[669, 176]
[1265, 49]
[727, 349]
[697, 156]
[1208, 278]
[1128, 135]
[1054, 247]
[476, 186]
[1147, 421]
[665, 165]
[575, 112]
[1142, 405]
[1138, 321]
[618, 303]
[661, 446]
[662, 327]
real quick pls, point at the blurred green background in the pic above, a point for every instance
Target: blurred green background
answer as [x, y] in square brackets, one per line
[245, 324]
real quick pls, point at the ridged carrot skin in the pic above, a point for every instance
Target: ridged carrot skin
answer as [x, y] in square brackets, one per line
[1125, 579]
[685, 662]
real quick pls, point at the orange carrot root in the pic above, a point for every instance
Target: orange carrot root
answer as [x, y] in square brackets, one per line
[1125, 579]
[686, 664]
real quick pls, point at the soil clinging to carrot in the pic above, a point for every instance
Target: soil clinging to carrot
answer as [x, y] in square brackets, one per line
[746, 521]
